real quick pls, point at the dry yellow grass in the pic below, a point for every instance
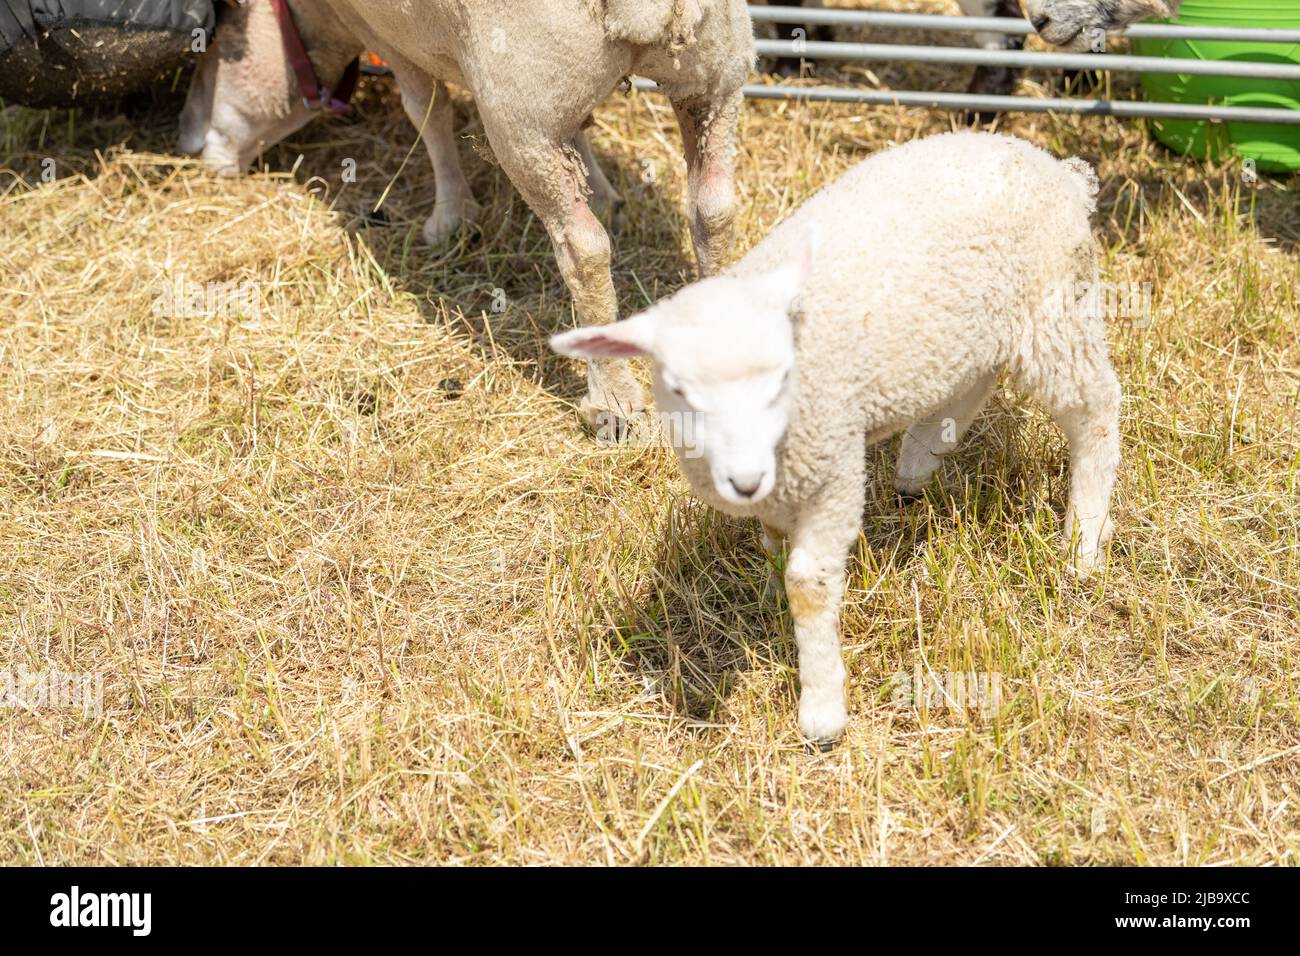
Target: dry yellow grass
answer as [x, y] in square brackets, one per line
[363, 592]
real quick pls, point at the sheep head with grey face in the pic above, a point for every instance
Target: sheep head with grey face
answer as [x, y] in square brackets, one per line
[1073, 24]
[725, 376]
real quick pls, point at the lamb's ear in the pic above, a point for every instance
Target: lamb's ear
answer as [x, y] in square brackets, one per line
[626, 339]
[789, 281]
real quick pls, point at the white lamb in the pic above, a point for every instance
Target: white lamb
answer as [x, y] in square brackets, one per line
[942, 262]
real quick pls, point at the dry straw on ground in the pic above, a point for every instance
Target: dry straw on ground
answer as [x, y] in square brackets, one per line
[363, 592]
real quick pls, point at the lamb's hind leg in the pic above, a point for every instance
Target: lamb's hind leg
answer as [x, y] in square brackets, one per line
[708, 126]
[926, 441]
[1084, 400]
[428, 105]
[1092, 428]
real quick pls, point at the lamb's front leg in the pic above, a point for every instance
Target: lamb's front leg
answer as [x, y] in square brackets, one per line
[814, 585]
[708, 126]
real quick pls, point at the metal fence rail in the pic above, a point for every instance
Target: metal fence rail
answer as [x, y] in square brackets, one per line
[811, 50]
[816, 50]
[1009, 25]
[1023, 104]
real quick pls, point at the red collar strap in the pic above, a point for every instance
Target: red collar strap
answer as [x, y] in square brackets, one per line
[314, 96]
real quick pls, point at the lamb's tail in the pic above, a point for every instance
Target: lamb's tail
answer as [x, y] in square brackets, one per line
[1086, 177]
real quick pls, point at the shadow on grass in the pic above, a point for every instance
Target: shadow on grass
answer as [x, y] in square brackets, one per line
[711, 605]
[498, 285]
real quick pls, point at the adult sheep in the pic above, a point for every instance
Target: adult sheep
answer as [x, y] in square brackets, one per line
[1066, 23]
[536, 69]
[1072, 23]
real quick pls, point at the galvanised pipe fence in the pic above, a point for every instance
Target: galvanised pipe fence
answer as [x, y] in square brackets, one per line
[885, 52]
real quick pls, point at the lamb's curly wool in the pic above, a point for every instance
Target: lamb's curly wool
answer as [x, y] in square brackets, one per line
[941, 263]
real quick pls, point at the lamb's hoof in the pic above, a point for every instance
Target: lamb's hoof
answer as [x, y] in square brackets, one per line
[822, 746]
[772, 541]
[822, 723]
[190, 142]
[1084, 565]
[1086, 560]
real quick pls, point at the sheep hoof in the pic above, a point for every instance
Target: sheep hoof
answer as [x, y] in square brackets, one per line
[1085, 563]
[612, 427]
[1082, 567]
[615, 403]
[823, 746]
[1086, 560]
[448, 219]
[910, 493]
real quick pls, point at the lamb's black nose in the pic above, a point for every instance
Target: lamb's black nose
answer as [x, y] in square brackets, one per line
[746, 485]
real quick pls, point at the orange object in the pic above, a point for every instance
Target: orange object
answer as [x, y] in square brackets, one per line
[372, 65]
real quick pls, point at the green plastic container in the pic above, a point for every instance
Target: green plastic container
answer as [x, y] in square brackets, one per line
[1274, 148]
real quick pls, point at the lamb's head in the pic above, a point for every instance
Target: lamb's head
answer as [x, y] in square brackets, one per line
[244, 96]
[724, 369]
[1078, 24]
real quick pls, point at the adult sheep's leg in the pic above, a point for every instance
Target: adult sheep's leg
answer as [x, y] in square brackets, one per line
[428, 105]
[993, 80]
[708, 126]
[926, 441]
[605, 200]
[793, 65]
[814, 585]
[550, 177]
